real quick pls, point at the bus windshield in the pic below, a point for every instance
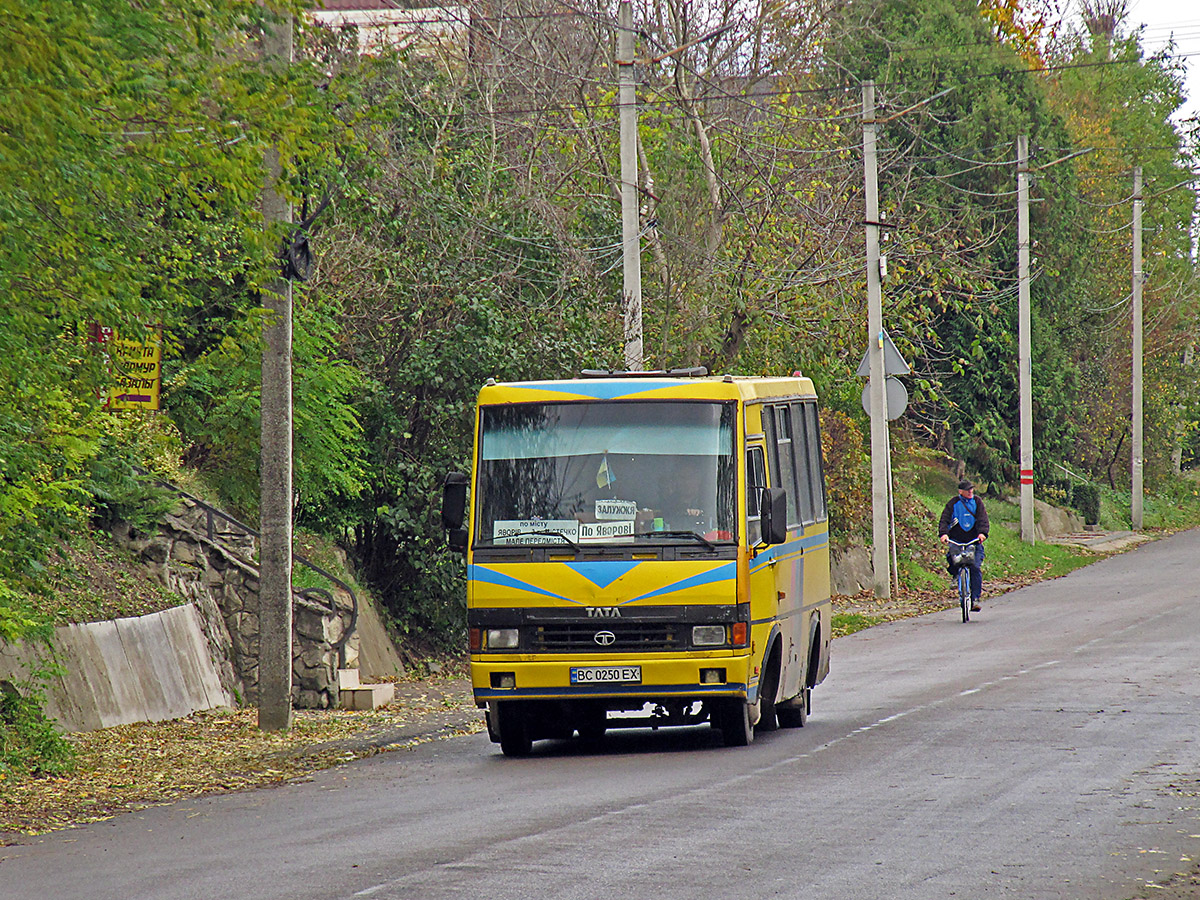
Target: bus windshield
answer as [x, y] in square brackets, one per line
[615, 472]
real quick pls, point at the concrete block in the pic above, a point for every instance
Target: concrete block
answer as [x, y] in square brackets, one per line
[150, 655]
[348, 678]
[82, 698]
[186, 632]
[106, 658]
[368, 696]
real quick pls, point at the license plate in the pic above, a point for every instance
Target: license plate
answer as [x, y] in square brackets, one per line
[606, 675]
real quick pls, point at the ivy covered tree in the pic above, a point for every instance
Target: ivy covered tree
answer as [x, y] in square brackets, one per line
[958, 85]
[1120, 104]
[131, 147]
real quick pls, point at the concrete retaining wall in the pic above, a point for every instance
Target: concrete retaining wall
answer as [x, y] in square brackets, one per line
[147, 668]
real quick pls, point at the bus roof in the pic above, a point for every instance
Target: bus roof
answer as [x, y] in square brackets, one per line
[716, 387]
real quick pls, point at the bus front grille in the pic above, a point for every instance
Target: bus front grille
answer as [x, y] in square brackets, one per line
[612, 637]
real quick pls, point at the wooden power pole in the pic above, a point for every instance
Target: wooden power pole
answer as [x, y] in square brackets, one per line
[630, 237]
[1135, 511]
[1024, 354]
[275, 502]
[875, 343]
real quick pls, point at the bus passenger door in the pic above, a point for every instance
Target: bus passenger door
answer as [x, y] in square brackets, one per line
[779, 428]
[764, 603]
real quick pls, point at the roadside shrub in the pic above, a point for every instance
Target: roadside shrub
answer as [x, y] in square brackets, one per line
[1055, 491]
[1086, 499]
[30, 742]
[847, 474]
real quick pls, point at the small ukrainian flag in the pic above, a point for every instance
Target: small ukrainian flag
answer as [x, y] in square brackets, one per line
[604, 475]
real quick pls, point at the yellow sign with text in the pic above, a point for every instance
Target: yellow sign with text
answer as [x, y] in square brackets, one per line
[137, 372]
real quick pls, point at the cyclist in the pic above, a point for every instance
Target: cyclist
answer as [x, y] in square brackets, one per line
[963, 520]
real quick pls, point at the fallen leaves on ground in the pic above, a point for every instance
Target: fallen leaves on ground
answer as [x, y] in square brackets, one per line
[134, 766]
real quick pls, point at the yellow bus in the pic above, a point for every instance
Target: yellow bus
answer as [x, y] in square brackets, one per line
[644, 549]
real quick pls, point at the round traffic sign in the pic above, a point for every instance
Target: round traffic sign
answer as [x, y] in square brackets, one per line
[896, 397]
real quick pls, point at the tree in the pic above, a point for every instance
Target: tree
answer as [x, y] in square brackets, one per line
[130, 163]
[948, 185]
[1121, 103]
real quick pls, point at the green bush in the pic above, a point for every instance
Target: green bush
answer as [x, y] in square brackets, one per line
[1056, 493]
[847, 474]
[1086, 499]
[30, 742]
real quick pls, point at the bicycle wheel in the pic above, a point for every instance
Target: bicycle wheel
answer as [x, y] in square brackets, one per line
[964, 593]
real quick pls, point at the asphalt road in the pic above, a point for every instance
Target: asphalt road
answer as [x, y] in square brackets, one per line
[1048, 749]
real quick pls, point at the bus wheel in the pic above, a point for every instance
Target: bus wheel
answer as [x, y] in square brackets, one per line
[768, 720]
[734, 722]
[591, 725]
[794, 713]
[513, 727]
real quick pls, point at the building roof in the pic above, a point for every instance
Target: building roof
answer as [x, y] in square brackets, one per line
[344, 5]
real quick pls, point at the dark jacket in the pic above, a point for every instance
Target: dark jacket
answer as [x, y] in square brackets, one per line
[949, 526]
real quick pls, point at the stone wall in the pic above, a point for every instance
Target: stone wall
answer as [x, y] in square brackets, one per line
[850, 569]
[208, 561]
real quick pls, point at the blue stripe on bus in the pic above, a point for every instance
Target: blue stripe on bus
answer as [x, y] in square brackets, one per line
[601, 390]
[781, 551]
[725, 572]
[602, 573]
[488, 576]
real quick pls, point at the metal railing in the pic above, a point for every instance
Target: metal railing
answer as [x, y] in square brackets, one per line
[211, 513]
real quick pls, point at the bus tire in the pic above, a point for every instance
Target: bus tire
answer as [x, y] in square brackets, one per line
[513, 728]
[794, 713]
[591, 725]
[734, 722]
[768, 691]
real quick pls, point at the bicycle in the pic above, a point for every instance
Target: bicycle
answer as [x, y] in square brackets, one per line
[959, 554]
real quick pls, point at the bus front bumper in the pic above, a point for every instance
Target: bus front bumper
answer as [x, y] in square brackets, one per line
[495, 679]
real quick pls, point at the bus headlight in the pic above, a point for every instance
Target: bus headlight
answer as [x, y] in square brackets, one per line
[503, 638]
[708, 635]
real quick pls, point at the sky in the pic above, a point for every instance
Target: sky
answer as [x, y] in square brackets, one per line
[1181, 18]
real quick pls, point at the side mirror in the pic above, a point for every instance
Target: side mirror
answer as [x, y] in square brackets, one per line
[454, 500]
[773, 515]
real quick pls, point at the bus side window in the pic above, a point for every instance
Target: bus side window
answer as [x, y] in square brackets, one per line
[756, 481]
[804, 482]
[784, 474]
[816, 467]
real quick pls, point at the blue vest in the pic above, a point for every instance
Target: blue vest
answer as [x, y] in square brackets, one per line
[964, 512]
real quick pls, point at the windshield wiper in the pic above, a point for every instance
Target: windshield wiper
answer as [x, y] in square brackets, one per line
[687, 534]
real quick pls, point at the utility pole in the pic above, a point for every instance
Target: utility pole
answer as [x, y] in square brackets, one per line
[1136, 487]
[876, 388]
[1024, 356]
[275, 486]
[630, 238]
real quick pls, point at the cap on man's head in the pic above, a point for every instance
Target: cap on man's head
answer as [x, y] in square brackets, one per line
[965, 485]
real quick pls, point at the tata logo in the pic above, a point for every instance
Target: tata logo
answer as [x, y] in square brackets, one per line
[605, 638]
[604, 612]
